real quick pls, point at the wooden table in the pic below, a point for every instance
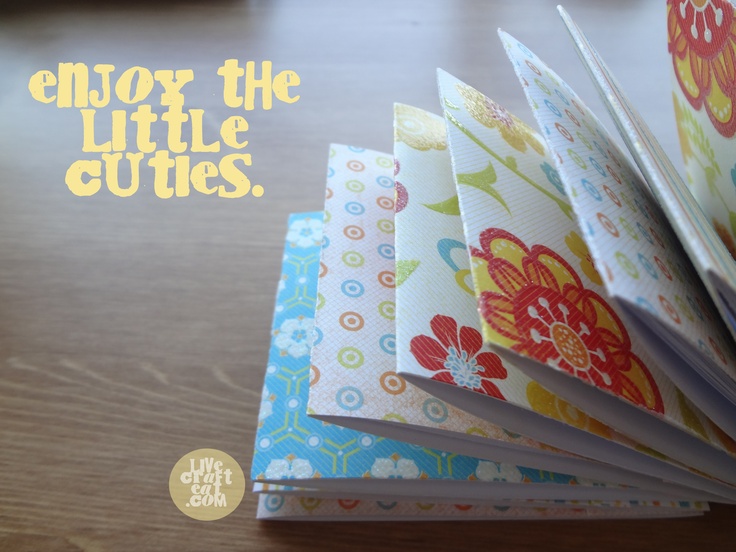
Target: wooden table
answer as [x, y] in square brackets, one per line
[133, 330]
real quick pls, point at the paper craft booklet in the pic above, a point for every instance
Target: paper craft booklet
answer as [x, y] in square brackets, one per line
[364, 476]
[516, 321]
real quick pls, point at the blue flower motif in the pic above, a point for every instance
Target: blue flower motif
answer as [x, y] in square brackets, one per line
[462, 368]
[733, 175]
[554, 177]
[305, 232]
[295, 336]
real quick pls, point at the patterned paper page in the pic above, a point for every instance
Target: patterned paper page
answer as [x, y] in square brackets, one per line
[292, 447]
[438, 334]
[587, 172]
[696, 333]
[527, 248]
[701, 37]
[279, 507]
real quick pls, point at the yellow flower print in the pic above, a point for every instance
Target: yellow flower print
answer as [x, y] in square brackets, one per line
[534, 302]
[580, 249]
[419, 129]
[490, 114]
[551, 405]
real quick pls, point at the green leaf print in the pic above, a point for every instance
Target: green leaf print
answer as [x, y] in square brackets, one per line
[510, 163]
[451, 105]
[448, 207]
[695, 144]
[710, 179]
[484, 181]
[404, 268]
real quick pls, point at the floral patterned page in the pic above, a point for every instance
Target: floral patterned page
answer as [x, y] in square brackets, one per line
[634, 266]
[701, 38]
[528, 255]
[701, 330]
[293, 448]
[285, 508]
[438, 334]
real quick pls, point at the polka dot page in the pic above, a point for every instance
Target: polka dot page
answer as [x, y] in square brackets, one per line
[357, 311]
[701, 241]
[638, 255]
[280, 507]
[527, 253]
[632, 246]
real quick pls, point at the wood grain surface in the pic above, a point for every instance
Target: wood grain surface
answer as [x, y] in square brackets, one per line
[135, 330]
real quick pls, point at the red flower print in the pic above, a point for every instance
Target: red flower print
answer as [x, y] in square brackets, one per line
[402, 197]
[454, 355]
[702, 41]
[537, 302]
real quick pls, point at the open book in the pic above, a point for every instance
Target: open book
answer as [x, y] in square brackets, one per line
[514, 321]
